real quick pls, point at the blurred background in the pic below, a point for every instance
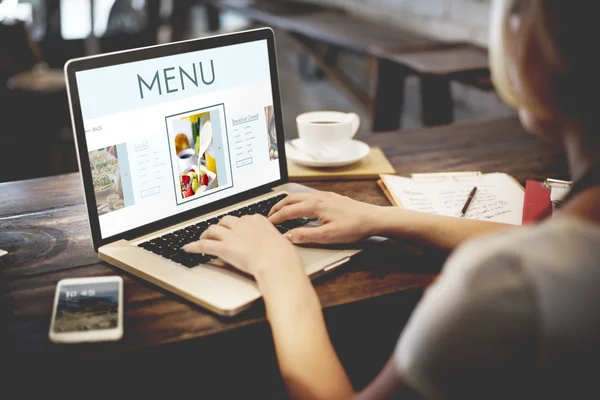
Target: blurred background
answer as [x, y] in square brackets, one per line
[37, 37]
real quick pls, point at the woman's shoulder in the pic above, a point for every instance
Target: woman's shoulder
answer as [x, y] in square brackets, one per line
[556, 262]
[564, 242]
[498, 299]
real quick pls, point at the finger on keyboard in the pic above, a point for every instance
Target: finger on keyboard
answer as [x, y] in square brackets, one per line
[293, 211]
[290, 199]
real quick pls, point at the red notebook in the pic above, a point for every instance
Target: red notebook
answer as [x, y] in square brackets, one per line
[537, 202]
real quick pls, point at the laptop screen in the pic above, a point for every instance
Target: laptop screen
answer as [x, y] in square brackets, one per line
[170, 134]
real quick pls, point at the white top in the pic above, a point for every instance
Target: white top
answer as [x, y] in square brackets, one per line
[512, 315]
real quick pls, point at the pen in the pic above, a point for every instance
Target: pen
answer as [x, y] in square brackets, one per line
[468, 202]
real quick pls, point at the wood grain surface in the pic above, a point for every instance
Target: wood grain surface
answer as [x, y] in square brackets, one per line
[43, 226]
[453, 60]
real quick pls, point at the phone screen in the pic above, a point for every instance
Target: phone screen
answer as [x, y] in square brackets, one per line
[87, 307]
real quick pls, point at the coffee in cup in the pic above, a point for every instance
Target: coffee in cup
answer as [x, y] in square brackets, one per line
[325, 132]
[185, 158]
[111, 199]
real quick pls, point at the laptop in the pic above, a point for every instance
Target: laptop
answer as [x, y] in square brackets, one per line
[170, 139]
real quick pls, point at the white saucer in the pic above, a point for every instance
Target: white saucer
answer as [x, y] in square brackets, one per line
[353, 151]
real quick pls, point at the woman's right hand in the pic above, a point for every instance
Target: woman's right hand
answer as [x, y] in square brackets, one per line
[344, 220]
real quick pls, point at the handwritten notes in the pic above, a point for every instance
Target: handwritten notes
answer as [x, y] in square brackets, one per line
[499, 198]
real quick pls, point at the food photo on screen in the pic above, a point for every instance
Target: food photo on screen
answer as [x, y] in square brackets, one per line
[107, 178]
[271, 133]
[195, 142]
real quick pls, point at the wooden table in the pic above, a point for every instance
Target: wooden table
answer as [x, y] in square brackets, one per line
[329, 25]
[39, 81]
[43, 225]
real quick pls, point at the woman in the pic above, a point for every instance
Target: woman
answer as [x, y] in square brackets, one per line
[513, 314]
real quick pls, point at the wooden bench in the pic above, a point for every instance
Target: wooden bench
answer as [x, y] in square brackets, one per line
[436, 70]
[324, 31]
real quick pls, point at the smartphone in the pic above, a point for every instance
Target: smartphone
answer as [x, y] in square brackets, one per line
[87, 310]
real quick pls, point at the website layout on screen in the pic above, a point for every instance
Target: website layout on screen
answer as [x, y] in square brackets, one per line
[174, 133]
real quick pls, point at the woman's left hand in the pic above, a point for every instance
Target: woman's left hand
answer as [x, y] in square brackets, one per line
[250, 243]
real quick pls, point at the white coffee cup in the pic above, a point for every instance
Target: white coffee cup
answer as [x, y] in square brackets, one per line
[326, 128]
[186, 159]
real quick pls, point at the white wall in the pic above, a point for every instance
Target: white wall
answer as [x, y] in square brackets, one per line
[449, 20]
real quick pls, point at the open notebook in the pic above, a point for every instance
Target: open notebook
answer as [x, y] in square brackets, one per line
[499, 197]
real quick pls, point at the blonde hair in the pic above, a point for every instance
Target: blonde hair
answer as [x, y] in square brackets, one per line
[499, 68]
[552, 36]
[499, 33]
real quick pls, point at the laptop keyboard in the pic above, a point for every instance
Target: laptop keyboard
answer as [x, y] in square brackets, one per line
[170, 245]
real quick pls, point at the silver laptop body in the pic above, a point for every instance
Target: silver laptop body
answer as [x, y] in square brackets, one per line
[139, 116]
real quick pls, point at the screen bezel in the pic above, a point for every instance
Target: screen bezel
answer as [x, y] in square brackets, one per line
[115, 333]
[147, 53]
